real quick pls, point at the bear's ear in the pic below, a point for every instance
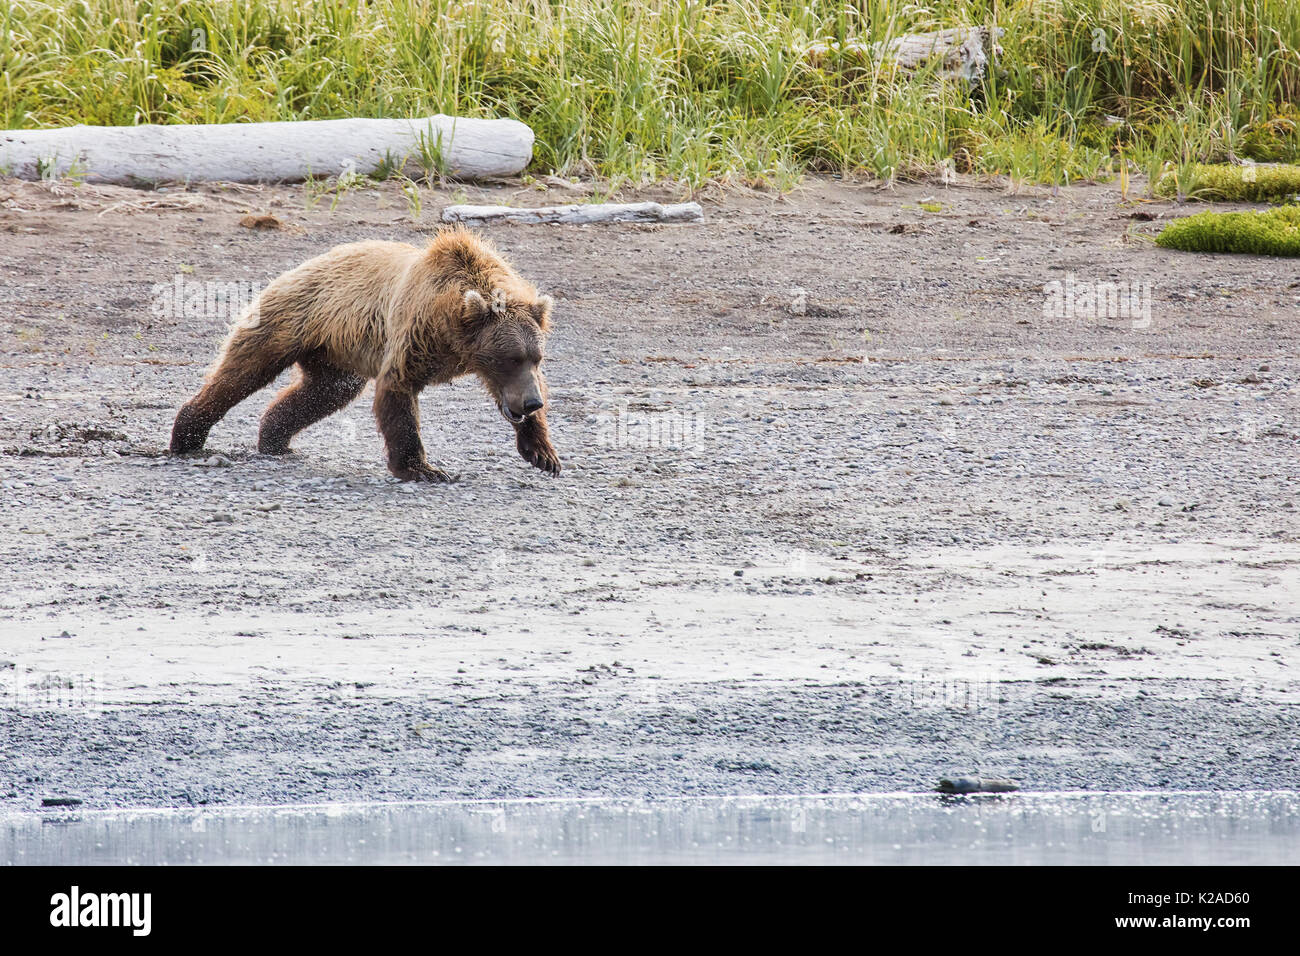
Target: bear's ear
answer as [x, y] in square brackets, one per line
[542, 312]
[477, 314]
[475, 305]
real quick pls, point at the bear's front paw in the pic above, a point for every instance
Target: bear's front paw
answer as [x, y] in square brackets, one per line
[539, 453]
[420, 471]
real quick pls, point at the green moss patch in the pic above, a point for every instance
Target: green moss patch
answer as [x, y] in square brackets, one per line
[1236, 183]
[1272, 232]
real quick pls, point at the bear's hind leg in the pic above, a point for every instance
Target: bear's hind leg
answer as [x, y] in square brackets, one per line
[321, 390]
[243, 370]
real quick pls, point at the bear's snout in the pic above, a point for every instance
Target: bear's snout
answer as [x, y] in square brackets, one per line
[522, 397]
[517, 416]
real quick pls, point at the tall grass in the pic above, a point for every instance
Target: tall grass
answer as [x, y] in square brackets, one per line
[688, 90]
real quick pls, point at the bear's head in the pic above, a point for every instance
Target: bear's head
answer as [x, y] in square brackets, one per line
[506, 335]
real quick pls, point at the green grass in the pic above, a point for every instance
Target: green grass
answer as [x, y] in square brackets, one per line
[1234, 183]
[1271, 232]
[687, 90]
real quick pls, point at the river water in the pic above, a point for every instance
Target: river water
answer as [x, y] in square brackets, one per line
[1179, 828]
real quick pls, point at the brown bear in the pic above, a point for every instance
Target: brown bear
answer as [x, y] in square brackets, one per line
[403, 316]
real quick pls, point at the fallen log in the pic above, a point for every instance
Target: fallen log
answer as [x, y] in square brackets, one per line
[581, 214]
[268, 152]
[976, 785]
[963, 52]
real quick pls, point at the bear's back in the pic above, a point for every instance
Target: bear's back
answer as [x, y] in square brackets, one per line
[341, 300]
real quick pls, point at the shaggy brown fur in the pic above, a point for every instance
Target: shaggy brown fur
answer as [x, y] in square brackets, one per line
[405, 317]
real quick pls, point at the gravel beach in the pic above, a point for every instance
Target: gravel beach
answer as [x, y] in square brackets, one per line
[844, 508]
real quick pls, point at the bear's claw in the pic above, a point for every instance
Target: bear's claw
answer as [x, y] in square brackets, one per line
[548, 463]
[540, 455]
[422, 472]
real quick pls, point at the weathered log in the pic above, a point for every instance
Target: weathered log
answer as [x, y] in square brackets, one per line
[976, 785]
[964, 52]
[268, 152]
[596, 212]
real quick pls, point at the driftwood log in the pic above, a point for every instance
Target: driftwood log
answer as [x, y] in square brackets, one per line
[976, 785]
[267, 152]
[963, 53]
[596, 212]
